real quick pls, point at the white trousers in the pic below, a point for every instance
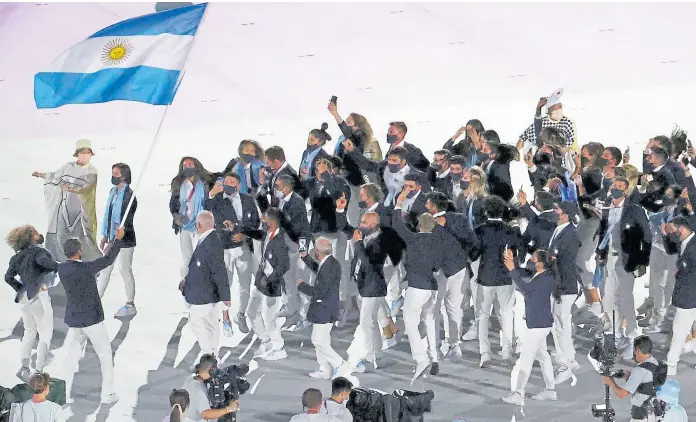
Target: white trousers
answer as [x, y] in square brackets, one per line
[204, 321]
[187, 242]
[618, 293]
[662, 269]
[451, 292]
[533, 348]
[262, 312]
[563, 329]
[124, 260]
[684, 321]
[588, 245]
[327, 357]
[470, 300]
[367, 340]
[292, 298]
[37, 317]
[353, 210]
[519, 321]
[240, 260]
[421, 305]
[76, 340]
[394, 275]
[505, 300]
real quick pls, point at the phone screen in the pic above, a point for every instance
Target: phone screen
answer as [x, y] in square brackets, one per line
[302, 244]
[334, 99]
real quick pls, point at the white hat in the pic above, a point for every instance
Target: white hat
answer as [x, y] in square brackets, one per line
[83, 144]
[554, 98]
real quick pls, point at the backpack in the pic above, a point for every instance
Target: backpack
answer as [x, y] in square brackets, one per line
[659, 372]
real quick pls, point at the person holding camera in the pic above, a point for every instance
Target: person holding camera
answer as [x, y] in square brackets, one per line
[199, 409]
[640, 383]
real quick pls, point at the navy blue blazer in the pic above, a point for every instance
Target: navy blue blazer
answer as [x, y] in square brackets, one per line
[323, 196]
[206, 281]
[417, 208]
[84, 306]
[277, 255]
[324, 305]
[684, 295]
[294, 218]
[565, 248]
[636, 236]
[128, 240]
[321, 154]
[456, 240]
[265, 196]
[537, 298]
[423, 255]
[370, 275]
[31, 265]
[539, 229]
[491, 238]
[478, 212]
[223, 210]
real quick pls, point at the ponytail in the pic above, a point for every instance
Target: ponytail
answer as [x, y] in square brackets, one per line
[321, 134]
[179, 400]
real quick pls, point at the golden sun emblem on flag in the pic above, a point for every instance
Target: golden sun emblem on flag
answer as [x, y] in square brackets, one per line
[116, 52]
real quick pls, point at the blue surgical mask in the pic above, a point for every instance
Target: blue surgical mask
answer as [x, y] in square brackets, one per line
[248, 158]
[617, 193]
[391, 139]
[189, 172]
[229, 190]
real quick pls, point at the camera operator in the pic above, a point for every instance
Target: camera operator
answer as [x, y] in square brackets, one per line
[200, 410]
[313, 407]
[641, 381]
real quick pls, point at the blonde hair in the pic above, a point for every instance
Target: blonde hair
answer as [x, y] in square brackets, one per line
[632, 175]
[478, 185]
[21, 237]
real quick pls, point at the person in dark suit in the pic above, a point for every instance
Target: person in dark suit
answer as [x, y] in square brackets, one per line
[466, 148]
[540, 226]
[456, 239]
[264, 301]
[206, 284]
[316, 140]
[395, 138]
[37, 270]
[371, 250]
[323, 308]
[439, 171]
[684, 295]
[116, 206]
[294, 221]
[625, 240]
[236, 217]
[456, 173]
[564, 246]
[414, 204]
[423, 259]
[494, 282]
[84, 314]
[495, 159]
[277, 166]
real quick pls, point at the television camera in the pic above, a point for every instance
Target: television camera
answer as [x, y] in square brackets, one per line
[225, 385]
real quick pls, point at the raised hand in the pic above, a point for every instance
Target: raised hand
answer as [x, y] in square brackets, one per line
[341, 202]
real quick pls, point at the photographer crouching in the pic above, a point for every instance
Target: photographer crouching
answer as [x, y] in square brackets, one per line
[214, 392]
[640, 383]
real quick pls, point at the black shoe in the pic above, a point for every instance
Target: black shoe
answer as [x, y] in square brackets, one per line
[434, 368]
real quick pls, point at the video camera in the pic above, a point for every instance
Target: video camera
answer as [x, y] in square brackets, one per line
[603, 358]
[225, 385]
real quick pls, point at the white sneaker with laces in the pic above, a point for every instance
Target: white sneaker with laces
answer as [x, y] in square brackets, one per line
[564, 374]
[514, 398]
[485, 361]
[321, 373]
[277, 354]
[126, 311]
[472, 334]
[455, 351]
[546, 395]
[263, 350]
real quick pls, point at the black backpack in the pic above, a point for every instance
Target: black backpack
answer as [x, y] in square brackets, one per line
[659, 372]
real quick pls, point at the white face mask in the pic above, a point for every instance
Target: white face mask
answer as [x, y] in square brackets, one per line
[556, 115]
[279, 194]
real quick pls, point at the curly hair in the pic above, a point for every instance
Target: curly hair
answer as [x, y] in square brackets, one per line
[21, 237]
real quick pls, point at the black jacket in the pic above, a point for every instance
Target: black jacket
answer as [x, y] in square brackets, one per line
[370, 274]
[354, 174]
[128, 240]
[223, 210]
[323, 308]
[491, 239]
[423, 256]
[277, 255]
[456, 242]
[265, 196]
[294, 218]
[323, 196]
[31, 265]
[472, 207]
[393, 244]
[206, 281]
[684, 295]
[417, 208]
[565, 247]
[84, 306]
[636, 236]
[539, 229]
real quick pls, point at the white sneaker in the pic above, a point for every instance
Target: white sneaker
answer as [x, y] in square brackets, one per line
[564, 374]
[546, 395]
[575, 365]
[321, 373]
[126, 311]
[110, 399]
[454, 352]
[671, 371]
[420, 369]
[472, 334]
[514, 398]
[276, 354]
[388, 343]
[263, 349]
[689, 347]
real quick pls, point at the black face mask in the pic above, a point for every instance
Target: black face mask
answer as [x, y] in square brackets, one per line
[189, 172]
[464, 184]
[543, 158]
[668, 200]
[248, 158]
[312, 147]
[40, 240]
[356, 133]
[366, 231]
[115, 180]
[456, 176]
[584, 161]
[362, 204]
[391, 139]
[616, 193]
[601, 162]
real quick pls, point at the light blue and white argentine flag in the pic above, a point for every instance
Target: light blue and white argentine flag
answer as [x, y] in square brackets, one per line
[139, 59]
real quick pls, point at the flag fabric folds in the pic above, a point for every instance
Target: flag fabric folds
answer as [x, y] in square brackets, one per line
[139, 59]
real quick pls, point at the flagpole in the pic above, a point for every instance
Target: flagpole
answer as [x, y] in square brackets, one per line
[161, 123]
